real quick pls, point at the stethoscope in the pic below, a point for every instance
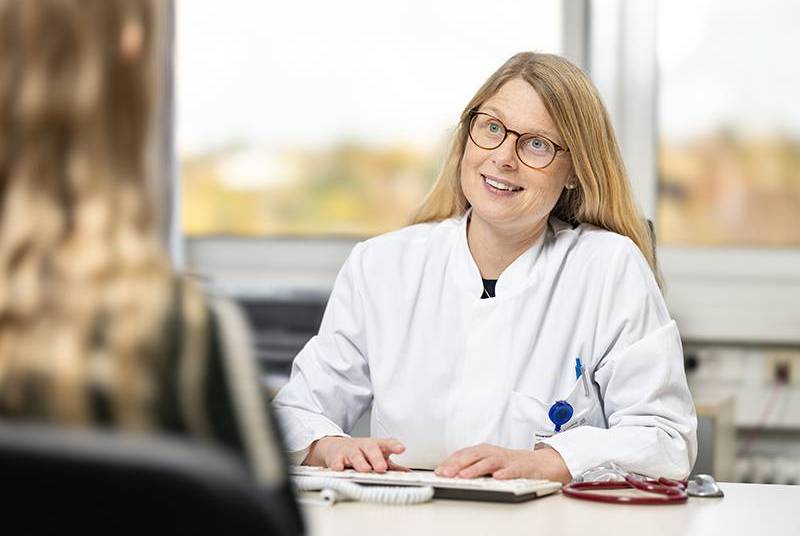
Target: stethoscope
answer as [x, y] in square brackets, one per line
[661, 491]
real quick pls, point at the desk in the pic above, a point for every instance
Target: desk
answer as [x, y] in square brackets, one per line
[746, 509]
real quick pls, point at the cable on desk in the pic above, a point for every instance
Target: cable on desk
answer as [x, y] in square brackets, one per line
[334, 490]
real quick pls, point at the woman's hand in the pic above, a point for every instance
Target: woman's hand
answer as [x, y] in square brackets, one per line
[364, 454]
[482, 460]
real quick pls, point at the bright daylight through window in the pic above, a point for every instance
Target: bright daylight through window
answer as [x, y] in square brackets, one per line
[729, 123]
[330, 119]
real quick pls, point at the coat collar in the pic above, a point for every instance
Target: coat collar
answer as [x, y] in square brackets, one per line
[520, 274]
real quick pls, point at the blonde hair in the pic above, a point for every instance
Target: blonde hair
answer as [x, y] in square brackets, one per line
[84, 283]
[603, 195]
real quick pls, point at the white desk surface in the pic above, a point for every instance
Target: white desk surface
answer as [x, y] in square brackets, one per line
[746, 509]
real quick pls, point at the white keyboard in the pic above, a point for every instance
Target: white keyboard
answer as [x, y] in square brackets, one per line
[481, 489]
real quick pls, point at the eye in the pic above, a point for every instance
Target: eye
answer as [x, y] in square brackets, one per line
[538, 145]
[494, 127]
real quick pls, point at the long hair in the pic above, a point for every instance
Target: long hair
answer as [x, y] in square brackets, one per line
[84, 282]
[603, 195]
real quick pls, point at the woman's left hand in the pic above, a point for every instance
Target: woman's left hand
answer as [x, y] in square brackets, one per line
[489, 460]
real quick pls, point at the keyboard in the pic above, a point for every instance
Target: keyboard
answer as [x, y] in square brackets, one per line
[474, 489]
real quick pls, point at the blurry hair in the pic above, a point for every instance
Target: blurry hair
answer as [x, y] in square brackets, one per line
[603, 196]
[84, 282]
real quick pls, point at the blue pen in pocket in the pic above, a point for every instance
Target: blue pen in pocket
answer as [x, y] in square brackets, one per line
[580, 371]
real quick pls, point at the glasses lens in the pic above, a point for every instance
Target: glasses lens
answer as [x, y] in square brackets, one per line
[487, 132]
[536, 151]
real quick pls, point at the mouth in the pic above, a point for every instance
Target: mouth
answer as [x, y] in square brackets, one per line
[500, 185]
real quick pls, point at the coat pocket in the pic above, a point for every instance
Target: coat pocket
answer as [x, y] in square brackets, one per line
[529, 420]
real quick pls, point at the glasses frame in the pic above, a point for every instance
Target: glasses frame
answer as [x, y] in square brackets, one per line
[475, 113]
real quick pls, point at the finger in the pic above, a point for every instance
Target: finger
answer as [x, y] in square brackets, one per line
[520, 464]
[459, 460]
[397, 467]
[374, 456]
[358, 462]
[338, 461]
[390, 446]
[483, 467]
[507, 473]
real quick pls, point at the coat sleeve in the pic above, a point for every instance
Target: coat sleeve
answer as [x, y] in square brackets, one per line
[638, 372]
[329, 387]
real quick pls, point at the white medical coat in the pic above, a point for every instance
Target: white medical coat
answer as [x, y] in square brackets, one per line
[405, 329]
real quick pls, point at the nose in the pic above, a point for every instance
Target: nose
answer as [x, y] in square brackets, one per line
[505, 156]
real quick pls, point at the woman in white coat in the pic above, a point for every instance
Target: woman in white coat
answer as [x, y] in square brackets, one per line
[517, 329]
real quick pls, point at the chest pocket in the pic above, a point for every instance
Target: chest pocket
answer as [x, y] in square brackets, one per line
[529, 422]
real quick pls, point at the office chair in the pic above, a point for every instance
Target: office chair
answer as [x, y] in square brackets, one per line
[57, 479]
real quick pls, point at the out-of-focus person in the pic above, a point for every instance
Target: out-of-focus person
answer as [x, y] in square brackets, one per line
[95, 328]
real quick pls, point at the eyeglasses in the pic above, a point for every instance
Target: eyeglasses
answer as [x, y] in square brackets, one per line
[533, 150]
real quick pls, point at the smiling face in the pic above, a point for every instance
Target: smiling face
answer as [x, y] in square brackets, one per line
[505, 193]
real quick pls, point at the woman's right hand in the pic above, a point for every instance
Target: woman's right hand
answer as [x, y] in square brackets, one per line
[364, 454]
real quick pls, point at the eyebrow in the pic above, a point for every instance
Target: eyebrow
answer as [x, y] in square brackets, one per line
[500, 115]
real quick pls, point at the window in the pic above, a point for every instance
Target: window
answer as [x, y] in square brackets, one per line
[330, 119]
[728, 123]
[675, 73]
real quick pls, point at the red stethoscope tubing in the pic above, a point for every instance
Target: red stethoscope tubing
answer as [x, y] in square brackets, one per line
[663, 490]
